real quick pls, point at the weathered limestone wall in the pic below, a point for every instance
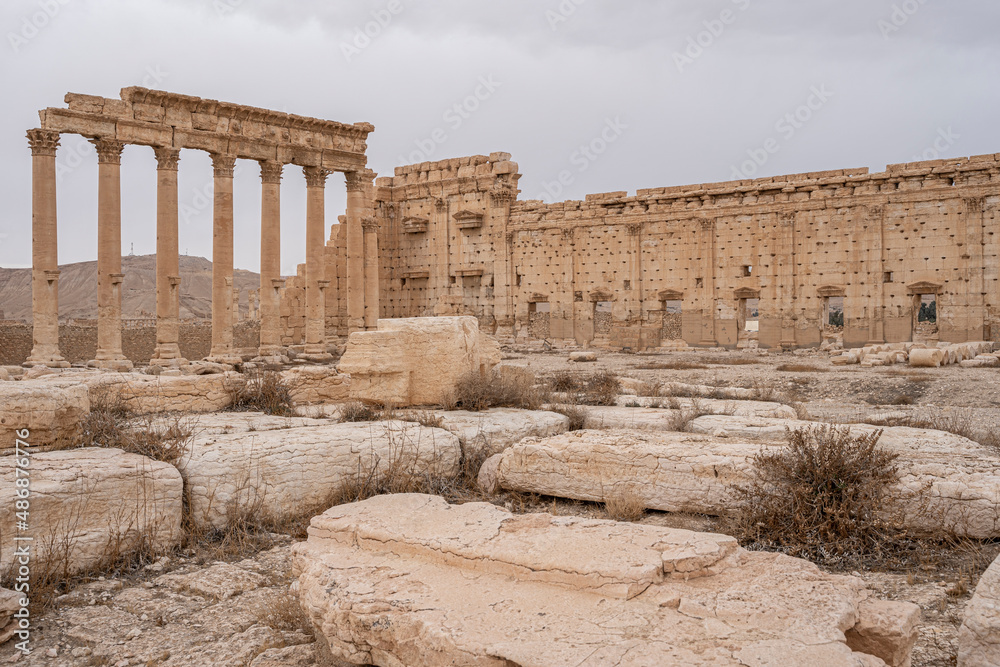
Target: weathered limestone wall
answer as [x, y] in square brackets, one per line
[603, 271]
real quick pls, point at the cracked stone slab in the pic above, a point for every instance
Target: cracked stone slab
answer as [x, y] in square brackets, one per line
[411, 580]
[285, 472]
[500, 428]
[979, 636]
[52, 414]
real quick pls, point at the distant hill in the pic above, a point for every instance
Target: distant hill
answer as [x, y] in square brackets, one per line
[78, 289]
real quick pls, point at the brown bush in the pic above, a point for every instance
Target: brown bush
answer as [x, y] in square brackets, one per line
[476, 392]
[623, 504]
[577, 416]
[823, 497]
[356, 411]
[564, 382]
[601, 389]
[261, 391]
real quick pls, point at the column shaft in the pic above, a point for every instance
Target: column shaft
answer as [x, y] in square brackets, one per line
[168, 280]
[357, 208]
[270, 259]
[315, 263]
[109, 257]
[372, 296]
[222, 261]
[44, 251]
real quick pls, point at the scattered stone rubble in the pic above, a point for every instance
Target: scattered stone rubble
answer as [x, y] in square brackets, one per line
[968, 355]
[410, 580]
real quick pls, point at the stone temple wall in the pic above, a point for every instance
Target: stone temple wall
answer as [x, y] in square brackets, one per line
[621, 270]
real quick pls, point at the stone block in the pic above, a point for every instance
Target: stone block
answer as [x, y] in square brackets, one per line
[52, 414]
[979, 636]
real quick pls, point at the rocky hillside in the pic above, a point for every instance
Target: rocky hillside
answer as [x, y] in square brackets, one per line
[78, 289]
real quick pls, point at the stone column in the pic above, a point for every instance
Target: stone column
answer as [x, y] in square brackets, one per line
[316, 281]
[168, 272]
[709, 337]
[358, 183]
[109, 257]
[500, 200]
[372, 296]
[44, 251]
[222, 262]
[270, 260]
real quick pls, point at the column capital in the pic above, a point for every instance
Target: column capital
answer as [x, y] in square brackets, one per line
[633, 228]
[224, 165]
[502, 194]
[270, 172]
[369, 224]
[109, 151]
[315, 176]
[167, 158]
[357, 181]
[43, 142]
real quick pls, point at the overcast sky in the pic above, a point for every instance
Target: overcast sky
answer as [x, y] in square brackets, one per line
[660, 93]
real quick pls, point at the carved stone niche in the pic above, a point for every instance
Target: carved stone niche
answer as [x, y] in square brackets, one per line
[670, 295]
[417, 275]
[747, 293]
[468, 220]
[924, 288]
[469, 273]
[415, 225]
[832, 291]
[601, 294]
[538, 298]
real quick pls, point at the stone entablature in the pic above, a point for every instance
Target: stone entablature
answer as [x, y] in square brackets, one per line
[157, 118]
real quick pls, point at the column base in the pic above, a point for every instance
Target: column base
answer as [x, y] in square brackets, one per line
[173, 362]
[119, 365]
[355, 324]
[227, 359]
[48, 363]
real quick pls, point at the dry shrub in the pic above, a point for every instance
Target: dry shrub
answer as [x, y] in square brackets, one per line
[356, 412]
[601, 389]
[623, 504]
[283, 613]
[577, 416]
[423, 417]
[112, 424]
[564, 382]
[823, 497]
[476, 392]
[261, 390]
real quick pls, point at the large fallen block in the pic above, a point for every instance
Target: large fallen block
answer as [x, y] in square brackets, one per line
[153, 394]
[85, 505]
[410, 580]
[500, 428]
[317, 385]
[947, 484]
[281, 473]
[52, 414]
[658, 418]
[979, 636]
[416, 361]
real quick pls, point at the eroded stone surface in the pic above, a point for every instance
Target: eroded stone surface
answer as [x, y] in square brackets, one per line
[146, 394]
[288, 471]
[84, 500]
[416, 361]
[979, 637]
[500, 428]
[10, 604]
[946, 483]
[52, 414]
[410, 580]
[665, 417]
[317, 385]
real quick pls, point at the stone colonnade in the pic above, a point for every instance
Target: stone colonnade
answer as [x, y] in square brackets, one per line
[362, 286]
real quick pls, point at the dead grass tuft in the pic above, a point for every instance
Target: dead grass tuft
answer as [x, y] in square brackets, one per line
[671, 366]
[261, 390]
[112, 424]
[476, 392]
[600, 389]
[623, 504]
[357, 412]
[577, 416]
[823, 497]
[801, 368]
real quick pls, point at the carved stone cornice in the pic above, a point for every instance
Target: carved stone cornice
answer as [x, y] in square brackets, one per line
[270, 172]
[109, 151]
[315, 177]
[43, 142]
[223, 165]
[369, 224]
[359, 181]
[167, 159]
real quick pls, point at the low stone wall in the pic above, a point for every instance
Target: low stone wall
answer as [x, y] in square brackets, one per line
[78, 343]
